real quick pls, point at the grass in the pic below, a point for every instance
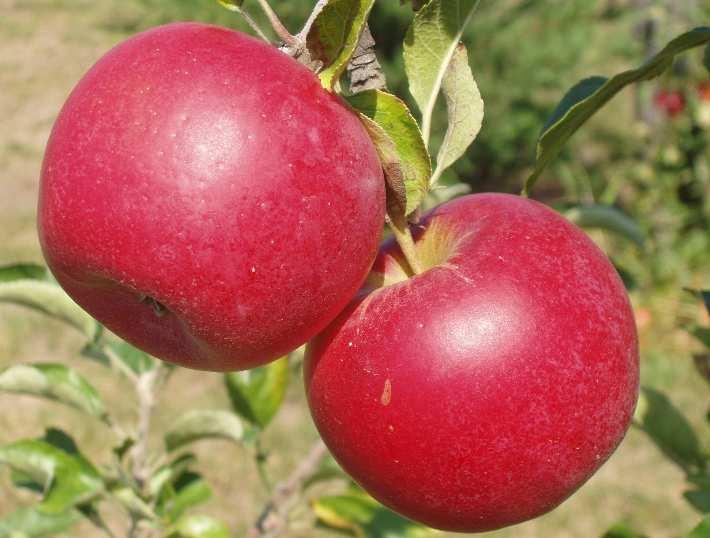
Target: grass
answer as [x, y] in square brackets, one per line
[47, 46]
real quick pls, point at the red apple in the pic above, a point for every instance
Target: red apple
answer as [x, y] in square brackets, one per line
[485, 390]
[672, 103]
[206, 199]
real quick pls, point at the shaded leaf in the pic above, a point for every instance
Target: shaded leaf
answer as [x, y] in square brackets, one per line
[189, 490]
[198, 527]
[23, 271]
[669, 429]
[703, 295]
[362, 516]
[699, 499]
[334, 34]
[257, 394]
[586, 97]
[67, 479]
[210, 424]
[399, 144]
[606, 218]
[55, 382]
[702, 530]
[169, 473]
[429, 46]
[620, 530]
[33, 523]
[464, 109]
[50, 299]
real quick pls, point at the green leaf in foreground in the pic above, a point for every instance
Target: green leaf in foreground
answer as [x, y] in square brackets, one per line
[68, 480]
[702, 530]
[669, 429]
[23, 271]
[198, 527]
[464, 108]
[32, 523]
[55, 382]
[362, 516]
[334, 34]
[429, 46]
[209, 424]
[586, 97]
[48, 298]
[257, 394]
[399, 144]
[606, 218]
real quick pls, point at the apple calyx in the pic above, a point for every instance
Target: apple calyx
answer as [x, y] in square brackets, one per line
[159, 309]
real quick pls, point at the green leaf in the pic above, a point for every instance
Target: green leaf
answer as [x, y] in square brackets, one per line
[429, 46]
[702, 530]
[362, 516]
[706, 58]
[464, 108]
[55, 382]
[121, 356]
[23, 271]
[257, 394]
[189, 490]
[703, 295]
[699, 499]
[135, 506]
[198, 527]
[334, 34]
[168, 474]
[620, 530]
[50, 299]
[197, 425]
[68, 480]
[669, 429]
[231, 5]
[606, 218]
[586, 97]
[328, 469]
[399, 144]
[33, 523]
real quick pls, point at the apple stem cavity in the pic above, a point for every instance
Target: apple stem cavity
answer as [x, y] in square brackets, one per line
[403, 236]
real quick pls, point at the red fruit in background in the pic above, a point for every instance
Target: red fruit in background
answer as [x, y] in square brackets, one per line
[671, 103]
[704, 91]
[206, 199]
[486, 390]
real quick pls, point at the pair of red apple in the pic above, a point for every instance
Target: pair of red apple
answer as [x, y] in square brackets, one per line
[205, 198]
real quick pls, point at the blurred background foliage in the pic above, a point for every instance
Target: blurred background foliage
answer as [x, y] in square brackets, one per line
[646, 154]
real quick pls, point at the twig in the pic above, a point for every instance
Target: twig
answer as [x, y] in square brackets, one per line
[320, 4]
[273, 520]
[253, 25]
[145, 389]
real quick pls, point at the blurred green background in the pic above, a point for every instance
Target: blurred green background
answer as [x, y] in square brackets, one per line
[652, 165]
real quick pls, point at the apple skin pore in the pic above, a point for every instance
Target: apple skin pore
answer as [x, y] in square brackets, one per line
[486, 390]
[199, 168]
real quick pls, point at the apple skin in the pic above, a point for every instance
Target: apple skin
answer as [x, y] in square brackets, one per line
[208, 171]
[484, 391]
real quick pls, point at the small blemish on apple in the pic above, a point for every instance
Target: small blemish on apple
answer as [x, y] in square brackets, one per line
[386, 397]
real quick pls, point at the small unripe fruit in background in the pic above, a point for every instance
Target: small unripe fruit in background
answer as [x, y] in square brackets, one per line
[206, 199]
[484, 391]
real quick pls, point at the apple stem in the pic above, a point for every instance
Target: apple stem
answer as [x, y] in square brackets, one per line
[278, 26]
[403, 236]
